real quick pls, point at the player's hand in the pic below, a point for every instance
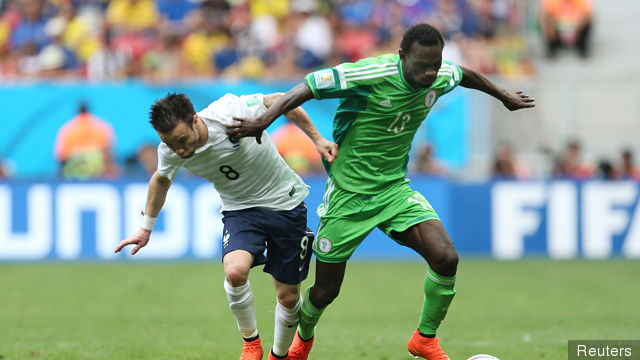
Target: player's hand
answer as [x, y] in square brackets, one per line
[140, 239]
[518, 100]
[328, 149]
[244, 127]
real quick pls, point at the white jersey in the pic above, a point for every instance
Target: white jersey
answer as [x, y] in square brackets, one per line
[245, 173]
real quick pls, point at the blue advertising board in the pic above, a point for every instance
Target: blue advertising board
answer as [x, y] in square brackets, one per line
[560, 219]
[35, 112]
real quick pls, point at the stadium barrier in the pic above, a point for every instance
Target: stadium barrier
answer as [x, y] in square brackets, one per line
[561, 219]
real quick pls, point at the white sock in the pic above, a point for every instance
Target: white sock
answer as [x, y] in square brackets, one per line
[241, 304]
[285, 328]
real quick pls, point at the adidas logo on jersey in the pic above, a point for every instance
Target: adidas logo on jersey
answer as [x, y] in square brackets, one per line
[386, 103]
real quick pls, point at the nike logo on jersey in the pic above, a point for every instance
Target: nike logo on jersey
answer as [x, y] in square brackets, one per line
[386, 103]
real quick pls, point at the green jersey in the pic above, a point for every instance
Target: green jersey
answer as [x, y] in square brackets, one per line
[377, 118]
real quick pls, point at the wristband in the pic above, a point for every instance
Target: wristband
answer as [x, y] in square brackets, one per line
[148, 222]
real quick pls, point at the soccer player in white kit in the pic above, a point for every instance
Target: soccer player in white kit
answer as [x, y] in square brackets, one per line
[262, 203]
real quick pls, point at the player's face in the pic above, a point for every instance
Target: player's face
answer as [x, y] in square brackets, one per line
[421, 64]
[184, 139]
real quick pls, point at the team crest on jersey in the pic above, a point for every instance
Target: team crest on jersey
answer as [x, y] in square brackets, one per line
[324, 79]
[324, 245]
[430, 98]
[235, 143]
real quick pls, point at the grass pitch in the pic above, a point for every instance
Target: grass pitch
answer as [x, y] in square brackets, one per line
[514, 310]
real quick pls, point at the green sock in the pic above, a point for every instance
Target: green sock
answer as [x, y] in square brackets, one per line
[438, 293]
[309, 317]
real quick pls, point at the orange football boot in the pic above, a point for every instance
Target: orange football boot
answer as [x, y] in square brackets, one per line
[252, 350]
[299, 349]
[426, 348]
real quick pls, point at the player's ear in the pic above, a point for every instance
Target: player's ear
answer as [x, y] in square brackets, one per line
[402, 54]
[195, 119]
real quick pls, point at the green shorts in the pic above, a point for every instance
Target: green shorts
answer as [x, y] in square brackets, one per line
[346, 218]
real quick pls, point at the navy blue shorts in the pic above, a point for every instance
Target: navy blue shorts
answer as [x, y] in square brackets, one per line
[283, 234]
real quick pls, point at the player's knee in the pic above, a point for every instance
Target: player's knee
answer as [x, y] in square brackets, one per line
[236, 275]
[288, 299]
[325, 294]
[445, 263]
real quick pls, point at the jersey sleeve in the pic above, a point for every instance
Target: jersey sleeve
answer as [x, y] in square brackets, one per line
[252, 105]
[225, 108]
[325, 84]
[454, 74]
[351, 78]
[168, 162]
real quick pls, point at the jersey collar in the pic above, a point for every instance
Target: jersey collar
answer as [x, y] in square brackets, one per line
[404, 81]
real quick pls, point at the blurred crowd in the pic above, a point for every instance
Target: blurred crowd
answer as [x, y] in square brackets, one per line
[168, 40]
[176, 40]
[570, 163]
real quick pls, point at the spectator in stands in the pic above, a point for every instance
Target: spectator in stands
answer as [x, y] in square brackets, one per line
[354, 42]
[108, 62]
[314, 38]
[5, 173]
[5, 32]
[426, 163]
[627, 168]
[506, 166]
[570, 163]
[276, 8]
[251, 38]
[606, 171]
[30, 30]
[210, 36]
[164, 62]
[132, 15]
[83, 147]
[174, 13]
[297, 149]
[82, 30]
[485, 23]
[144, 162]
[567, 23]
[503, 165]
[448, 19]
[56, 59]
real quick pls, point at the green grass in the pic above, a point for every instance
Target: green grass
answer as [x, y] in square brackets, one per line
[514, 310]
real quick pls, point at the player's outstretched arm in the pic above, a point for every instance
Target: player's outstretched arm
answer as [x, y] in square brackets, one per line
[298, 116]
[254, 126]
[156, 194]
[511, 100]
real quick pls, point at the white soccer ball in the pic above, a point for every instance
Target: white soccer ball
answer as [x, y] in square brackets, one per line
[483, 357]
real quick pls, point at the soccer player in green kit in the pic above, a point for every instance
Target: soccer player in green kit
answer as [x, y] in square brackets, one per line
[383, 101]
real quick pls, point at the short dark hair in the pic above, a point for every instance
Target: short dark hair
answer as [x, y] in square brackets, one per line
[83, 107]
[424, 34]
[167, 112]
